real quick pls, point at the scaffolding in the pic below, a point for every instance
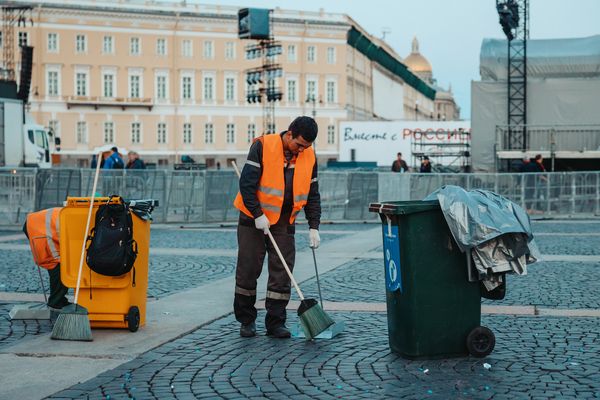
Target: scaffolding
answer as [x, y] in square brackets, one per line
[447, 150]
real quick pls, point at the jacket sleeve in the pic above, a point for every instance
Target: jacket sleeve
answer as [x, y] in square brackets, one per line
[250, 177]
[312, 210]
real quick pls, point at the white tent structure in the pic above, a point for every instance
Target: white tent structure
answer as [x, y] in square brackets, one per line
[563, 88]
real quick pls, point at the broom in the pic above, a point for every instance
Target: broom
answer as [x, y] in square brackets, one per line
[73, 322]
[312, 317]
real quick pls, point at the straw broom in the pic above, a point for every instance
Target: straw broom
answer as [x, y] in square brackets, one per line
[312, 317]
[73, 322]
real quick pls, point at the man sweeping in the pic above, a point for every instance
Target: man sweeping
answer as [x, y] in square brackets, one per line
[278, 180]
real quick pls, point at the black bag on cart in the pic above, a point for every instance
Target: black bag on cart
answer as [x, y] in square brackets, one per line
[111, 249]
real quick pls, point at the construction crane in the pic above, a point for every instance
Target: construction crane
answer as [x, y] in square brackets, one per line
[514, 19]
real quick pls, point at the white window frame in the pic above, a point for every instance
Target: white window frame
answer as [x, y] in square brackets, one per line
[311, 54]
[230, 50]
[20, 36]
[161, 129]
[165, 75]
[187, 134]
[107, 71]
[330, 134]
[209, 134]
[81, 45]
[205, 98]
[328, 99]
[161, 50]
[187, 48]
[86, 72]
[208, 49]
[292, 56]
[135, 46]
[187, 75]
[230, 133]
[57, 70]
[135, 72]
[294, 99]
[52, 45]
[251, 132]
[113, 138]
[233, 98]
[331, 55]
[308, 91]
[108, 44]
[139, 133]
[81, 136]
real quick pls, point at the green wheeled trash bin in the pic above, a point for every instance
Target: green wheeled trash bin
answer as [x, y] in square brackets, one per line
[433, 310]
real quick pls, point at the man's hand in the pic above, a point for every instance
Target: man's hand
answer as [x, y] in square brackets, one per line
[313, 238]
[263, 223]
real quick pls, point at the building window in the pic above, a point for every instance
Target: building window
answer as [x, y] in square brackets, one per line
[108, 85]
[161, 87]
[81, 132]
[108, 45]
[134, 86]
[23, 38]
[331, 134]
[80, 44]
[186, 87]
[161, 47]
[292, 93]
[230, 51]
[230, 132]
[331, 55]
[81, 83]
[134, 46]
[251, 132]
[208, 49]
[109, 132]
[1, 40]
[209, 137]
[291, 53]
[331, 92]
[186, 48]
[136, 133]
[161, 133]
[311, 54]
[229, 89]
[53, 43]
[54, 127]
[52, 83]
[311, 90]
[187, 133]
[209, 88]
[271, 127]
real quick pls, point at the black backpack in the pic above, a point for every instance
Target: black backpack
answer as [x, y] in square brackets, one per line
[111, 249]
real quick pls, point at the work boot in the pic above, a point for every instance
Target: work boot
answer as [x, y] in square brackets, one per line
[248, 330]
[279, 332]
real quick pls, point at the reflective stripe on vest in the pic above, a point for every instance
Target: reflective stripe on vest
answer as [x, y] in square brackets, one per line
[43, 230]
[272, 182]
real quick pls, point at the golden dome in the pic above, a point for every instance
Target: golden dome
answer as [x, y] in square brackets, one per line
[415, 61]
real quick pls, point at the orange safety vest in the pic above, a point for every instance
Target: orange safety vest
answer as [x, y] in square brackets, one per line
[271, 186]
[43, 230]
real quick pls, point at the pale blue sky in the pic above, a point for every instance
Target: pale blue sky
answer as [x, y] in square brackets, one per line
[450, 31]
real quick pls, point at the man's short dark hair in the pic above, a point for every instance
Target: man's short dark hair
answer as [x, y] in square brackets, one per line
[115, 149]
[538, 157]
[399, 154]
[305, 127]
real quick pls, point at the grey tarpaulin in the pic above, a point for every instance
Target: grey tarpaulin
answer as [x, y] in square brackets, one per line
[494, 230]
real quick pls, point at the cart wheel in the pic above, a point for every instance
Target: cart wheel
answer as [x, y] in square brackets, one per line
[133, 318]
[481, 341]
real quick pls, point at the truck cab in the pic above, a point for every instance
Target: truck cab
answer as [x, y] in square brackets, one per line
[37, 148]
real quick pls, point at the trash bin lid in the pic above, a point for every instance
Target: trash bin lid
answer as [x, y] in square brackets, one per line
[404, 207]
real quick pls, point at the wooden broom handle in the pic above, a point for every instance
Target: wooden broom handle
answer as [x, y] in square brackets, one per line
[287, 269]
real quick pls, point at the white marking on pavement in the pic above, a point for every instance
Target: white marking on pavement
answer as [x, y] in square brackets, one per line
[10, 238]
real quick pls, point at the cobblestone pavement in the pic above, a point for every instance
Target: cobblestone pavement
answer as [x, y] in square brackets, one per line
[11, 331]
[574, 226]
[584, 245]
[534, 358]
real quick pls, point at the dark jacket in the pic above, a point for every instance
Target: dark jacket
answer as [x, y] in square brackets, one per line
[136, 164]
[399, 166]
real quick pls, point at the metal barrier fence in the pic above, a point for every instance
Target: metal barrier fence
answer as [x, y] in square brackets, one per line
[207, 196]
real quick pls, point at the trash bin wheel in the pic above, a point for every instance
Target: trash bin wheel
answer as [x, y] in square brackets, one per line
[481, 341]
[133, 318]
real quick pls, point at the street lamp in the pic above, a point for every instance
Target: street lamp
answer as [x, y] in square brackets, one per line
[311, 98]
[416, 110]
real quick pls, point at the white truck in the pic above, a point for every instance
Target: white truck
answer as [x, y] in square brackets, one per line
[23, 143]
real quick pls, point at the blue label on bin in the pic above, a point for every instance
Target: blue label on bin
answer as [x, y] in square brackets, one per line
[391, 258]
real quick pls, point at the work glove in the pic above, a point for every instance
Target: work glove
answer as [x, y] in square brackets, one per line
[262, 223]
[313, 238]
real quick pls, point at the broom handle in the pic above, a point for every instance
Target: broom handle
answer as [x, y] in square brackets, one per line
[87, 227]
[317, 275]
[287, 269]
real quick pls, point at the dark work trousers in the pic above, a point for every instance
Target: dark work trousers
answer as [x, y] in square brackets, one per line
[253, 245]
[58, 291]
